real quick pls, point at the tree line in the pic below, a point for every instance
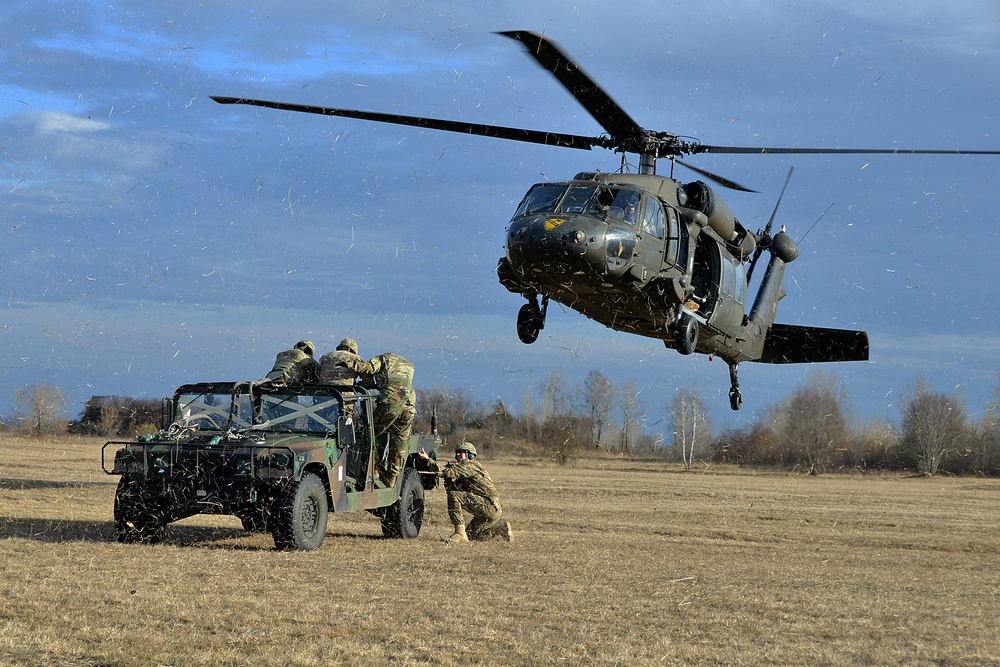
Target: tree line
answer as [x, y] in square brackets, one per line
[810, 430]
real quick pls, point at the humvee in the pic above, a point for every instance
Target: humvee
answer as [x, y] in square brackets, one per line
[279, 458]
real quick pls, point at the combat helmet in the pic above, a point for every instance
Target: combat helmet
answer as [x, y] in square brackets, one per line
[306, 346]
[468, 448]
[348, 345]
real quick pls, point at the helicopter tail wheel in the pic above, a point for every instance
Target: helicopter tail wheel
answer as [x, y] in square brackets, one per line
[530, 320]
[686, 335]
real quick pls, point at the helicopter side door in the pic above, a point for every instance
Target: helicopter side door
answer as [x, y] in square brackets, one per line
[720, 286]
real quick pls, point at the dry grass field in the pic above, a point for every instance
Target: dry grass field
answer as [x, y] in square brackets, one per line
[615, 562]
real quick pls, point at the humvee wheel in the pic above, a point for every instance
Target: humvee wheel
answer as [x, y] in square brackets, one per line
[405, 518]
[298, 519]
[134, 522]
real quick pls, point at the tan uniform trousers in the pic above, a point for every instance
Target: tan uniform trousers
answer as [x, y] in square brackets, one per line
[485, 512]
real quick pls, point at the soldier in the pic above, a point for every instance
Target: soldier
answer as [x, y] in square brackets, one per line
[471, 489]
[295, 365]
[337, 367]
[395, 407]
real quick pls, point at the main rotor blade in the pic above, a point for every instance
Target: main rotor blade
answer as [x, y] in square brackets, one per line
[497, 131]
[725, 182]
[593, 98]
[746, 150]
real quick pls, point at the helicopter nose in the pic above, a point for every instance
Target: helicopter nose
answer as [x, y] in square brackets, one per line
[555, 243]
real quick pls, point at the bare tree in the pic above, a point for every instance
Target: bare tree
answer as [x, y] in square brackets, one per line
[554, 399]
[632, 414]
[453, 407]
[598, 395]
[40, 408]
[812, 422]
[690, 423]
[933, 425]
[110, 422]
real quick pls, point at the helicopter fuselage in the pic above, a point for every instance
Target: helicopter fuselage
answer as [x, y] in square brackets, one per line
[623, 250]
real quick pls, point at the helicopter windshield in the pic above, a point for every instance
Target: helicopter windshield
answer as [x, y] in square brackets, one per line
[541, 198]
[561, 198]
[613, 202]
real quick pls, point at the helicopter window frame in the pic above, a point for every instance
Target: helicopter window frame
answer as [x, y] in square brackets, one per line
[733, 280]
[675, 240]
[652, 217]
[741, 283]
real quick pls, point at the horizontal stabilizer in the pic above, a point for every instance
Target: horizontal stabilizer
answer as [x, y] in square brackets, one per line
[794, 344]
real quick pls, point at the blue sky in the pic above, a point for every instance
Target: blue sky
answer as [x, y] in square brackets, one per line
[151, 237]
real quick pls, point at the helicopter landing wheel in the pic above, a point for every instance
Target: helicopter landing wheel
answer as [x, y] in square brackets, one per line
[686, 335]
[530, 320]
[735, 397]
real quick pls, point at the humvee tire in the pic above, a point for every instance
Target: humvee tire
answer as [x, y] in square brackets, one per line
[406, 516]
[135, 522]
[298, 517]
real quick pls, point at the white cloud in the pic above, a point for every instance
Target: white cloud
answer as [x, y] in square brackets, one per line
[57, 122]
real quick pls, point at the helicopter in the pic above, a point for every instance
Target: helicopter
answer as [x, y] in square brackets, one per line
[639, 252]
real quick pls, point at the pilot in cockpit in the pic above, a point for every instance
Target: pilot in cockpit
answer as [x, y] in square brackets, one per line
[627, 201]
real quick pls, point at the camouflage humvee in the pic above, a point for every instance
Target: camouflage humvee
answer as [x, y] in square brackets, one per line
[279, 458]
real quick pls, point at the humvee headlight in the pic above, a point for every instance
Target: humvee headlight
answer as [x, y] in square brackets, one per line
[242, 467]
[127, 460]
[274, 464]
[160, 464]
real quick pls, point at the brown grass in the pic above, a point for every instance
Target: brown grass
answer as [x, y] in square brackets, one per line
[616, 562]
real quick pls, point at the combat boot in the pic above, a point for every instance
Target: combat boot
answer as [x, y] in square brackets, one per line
[504, 532]
[387, 479]
[459, 534]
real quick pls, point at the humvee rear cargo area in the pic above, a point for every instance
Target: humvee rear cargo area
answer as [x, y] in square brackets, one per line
[278, 457]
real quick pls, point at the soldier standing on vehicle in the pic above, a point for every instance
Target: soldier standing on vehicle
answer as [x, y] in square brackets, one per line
[395, 406]
[471, 489]
[295, 365]
[337, 367]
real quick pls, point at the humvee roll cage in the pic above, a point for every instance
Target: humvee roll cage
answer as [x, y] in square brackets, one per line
[254, 406]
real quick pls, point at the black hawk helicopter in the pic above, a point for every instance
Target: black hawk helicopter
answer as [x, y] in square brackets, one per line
[643, 253]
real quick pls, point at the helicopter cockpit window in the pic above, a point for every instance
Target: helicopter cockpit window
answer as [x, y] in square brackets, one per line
[542, 198]
[576, 199]
[652, 218]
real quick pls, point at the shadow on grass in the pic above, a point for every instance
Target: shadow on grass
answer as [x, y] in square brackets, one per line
[177, 534]
[56, 530]
[11, 484]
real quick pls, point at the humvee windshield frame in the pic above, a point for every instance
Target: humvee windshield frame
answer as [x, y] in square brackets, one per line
[306, 408]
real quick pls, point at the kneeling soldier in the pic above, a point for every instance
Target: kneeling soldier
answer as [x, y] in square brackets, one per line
[471, 489]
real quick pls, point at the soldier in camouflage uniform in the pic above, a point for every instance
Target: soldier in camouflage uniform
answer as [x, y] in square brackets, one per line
[395, 407]
[295, 365]
[471, 489]
[337, 367]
